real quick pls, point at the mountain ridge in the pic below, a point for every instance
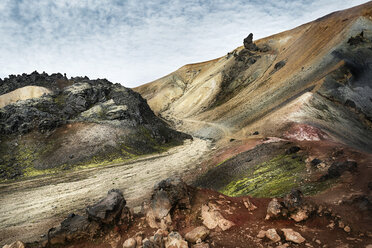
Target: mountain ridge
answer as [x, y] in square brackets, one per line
[243, 87]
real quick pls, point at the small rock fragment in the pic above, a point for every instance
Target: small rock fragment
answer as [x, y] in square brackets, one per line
[293, 236]
[130, 243]
[341, 224]
[273, 209]
[299, 215]
[331, 225]
[200, 232]
[213, 218]
[347, 229]
[272, 235]
[261, 234]
[248, 204]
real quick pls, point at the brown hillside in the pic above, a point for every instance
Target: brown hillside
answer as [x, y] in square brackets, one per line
[318, 84]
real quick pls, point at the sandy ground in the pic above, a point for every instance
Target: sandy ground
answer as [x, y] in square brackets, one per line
[29, 208]
[23, 93]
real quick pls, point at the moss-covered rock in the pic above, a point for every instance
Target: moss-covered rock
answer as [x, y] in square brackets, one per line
[82, 122]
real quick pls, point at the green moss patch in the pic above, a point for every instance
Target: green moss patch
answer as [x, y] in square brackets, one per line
[269, 179]
[275, 178]
[31, 158]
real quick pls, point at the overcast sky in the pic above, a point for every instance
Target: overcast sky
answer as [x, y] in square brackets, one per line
[133, 41]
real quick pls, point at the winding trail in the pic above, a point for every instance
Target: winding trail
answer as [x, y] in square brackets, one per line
[226, 131]
[29, 208]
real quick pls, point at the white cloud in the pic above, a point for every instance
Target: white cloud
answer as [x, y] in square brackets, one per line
[133, 42]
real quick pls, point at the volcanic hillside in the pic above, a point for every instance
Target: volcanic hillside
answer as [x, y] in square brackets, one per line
[308, 83]
[49, 123]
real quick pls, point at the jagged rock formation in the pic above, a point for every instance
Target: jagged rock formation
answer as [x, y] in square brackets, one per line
[101, 217]
[310, 82]
[63, 122]
[248, 43]
[167, 195]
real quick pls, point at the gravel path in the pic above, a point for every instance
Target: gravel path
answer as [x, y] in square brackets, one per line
[29, 208]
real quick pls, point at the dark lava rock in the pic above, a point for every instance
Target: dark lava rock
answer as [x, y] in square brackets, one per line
[293, 199]
[256, 133]
[265, 48]
[175, 190]
[74, 227]
[53, 81]
[315, 162]
[279, 65]
[293, 206]
[356, 39]
[108, 210]
[248, 43]
[363, 202]
[99, 220]
[337, 168]
[292, 150]
[168, 195]
[350, 103]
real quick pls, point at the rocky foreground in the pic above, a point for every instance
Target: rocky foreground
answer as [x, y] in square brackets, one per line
[178, 215]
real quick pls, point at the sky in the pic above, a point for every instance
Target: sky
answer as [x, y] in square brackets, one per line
[133, 42]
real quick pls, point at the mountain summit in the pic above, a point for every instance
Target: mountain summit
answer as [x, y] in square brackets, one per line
[311, 82]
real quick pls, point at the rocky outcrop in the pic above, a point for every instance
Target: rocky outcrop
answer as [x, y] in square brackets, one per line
[108, 210]
[338, 168]
[54, 81]
[82, 100]
[248, 43]
[101, 217]
[273, 209]
[46, 126]
[74, 227]
[167, 195]
[293, 207]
